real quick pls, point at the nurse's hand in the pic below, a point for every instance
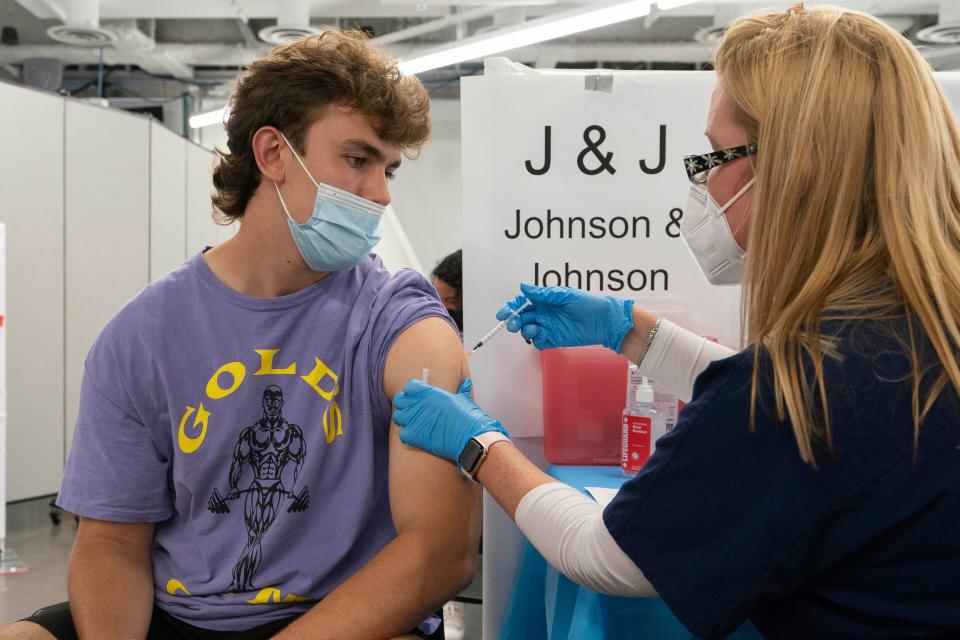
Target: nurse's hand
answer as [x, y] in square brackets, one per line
[439, 421]
[565, 317]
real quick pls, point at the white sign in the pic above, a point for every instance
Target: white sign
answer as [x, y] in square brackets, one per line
[564, 185]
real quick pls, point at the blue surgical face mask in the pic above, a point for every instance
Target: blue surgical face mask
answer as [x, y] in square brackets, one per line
[342, 229]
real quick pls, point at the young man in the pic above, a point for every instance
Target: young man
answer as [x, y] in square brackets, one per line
[234, 464]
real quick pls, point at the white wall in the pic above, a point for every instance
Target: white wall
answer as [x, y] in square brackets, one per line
[31, 206]
[168, 197]
[202, 231]
[107, 227]
[213, 137]
[950, 81]
[3, 381]
[427, 191]
[394, 248]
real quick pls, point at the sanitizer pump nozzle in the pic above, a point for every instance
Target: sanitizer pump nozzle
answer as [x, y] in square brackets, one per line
[644, 392]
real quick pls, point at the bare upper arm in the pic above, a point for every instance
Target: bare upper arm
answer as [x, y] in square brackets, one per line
[426, 490]
[132, 536]
[428, 344]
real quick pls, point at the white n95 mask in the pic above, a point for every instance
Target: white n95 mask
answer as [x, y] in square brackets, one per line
[342, 229]
[706, 232]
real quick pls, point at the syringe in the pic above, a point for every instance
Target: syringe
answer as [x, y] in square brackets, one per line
[500, 326]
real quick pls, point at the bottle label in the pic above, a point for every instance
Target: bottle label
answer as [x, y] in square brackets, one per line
[667, 405]
[636, 442]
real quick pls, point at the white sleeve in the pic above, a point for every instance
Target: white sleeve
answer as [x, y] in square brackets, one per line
[677, 356]
[567, 528]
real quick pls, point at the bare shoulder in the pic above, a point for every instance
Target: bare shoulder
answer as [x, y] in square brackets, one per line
[430, 344]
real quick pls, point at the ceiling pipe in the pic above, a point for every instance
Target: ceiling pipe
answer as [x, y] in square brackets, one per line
[293, 12]
[434, 25]
[44, 9]
[722, 17]
[84, 13]
[230, 55]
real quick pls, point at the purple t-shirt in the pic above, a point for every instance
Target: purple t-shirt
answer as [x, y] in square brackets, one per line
[253, 431]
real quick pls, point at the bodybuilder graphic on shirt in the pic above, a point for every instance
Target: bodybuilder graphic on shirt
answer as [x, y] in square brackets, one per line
[274, 449]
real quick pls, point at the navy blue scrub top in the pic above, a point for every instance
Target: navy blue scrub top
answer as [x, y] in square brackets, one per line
[729, 524]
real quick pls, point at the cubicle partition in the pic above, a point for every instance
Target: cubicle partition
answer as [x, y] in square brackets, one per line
[32, 207]
[97, 203]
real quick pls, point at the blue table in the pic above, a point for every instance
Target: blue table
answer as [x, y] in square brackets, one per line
[545, 605]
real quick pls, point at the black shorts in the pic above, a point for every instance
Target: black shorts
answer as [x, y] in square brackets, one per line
[57, 620]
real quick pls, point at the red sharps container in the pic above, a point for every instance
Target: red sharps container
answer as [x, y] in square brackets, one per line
[583, 405]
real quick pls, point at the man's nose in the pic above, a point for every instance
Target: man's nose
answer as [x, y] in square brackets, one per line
[378, 190]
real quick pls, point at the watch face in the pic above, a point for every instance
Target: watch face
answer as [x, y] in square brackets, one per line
[471, 455]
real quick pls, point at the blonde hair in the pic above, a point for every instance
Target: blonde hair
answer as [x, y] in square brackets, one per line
[856, 209]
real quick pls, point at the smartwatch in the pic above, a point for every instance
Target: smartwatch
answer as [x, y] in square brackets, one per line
[476, 450]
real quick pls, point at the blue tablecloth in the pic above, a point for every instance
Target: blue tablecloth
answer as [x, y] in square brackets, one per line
[545, 605]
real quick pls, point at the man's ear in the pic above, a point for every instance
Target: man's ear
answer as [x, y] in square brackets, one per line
[267, 146]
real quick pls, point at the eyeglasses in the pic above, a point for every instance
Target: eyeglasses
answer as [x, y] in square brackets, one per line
[699, 166]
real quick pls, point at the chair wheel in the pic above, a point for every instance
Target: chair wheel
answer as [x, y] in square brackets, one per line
[55, 512]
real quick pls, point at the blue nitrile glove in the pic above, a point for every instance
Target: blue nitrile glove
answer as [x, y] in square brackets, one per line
[439, 421]
[565, 317]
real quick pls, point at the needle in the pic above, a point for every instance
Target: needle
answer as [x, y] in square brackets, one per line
[500, 326]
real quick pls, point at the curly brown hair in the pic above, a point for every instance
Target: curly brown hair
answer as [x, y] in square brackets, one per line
[291, 87]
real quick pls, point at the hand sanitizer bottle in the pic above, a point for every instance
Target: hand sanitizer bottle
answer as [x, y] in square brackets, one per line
[639, 421]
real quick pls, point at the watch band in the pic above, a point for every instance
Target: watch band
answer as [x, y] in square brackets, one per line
[485, 440]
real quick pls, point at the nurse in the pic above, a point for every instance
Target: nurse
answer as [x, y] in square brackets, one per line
[812, 484]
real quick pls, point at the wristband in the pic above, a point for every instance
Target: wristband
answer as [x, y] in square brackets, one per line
[649, 340]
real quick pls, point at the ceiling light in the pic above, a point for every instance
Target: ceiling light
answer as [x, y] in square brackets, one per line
[218, 116]
[549, 27]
